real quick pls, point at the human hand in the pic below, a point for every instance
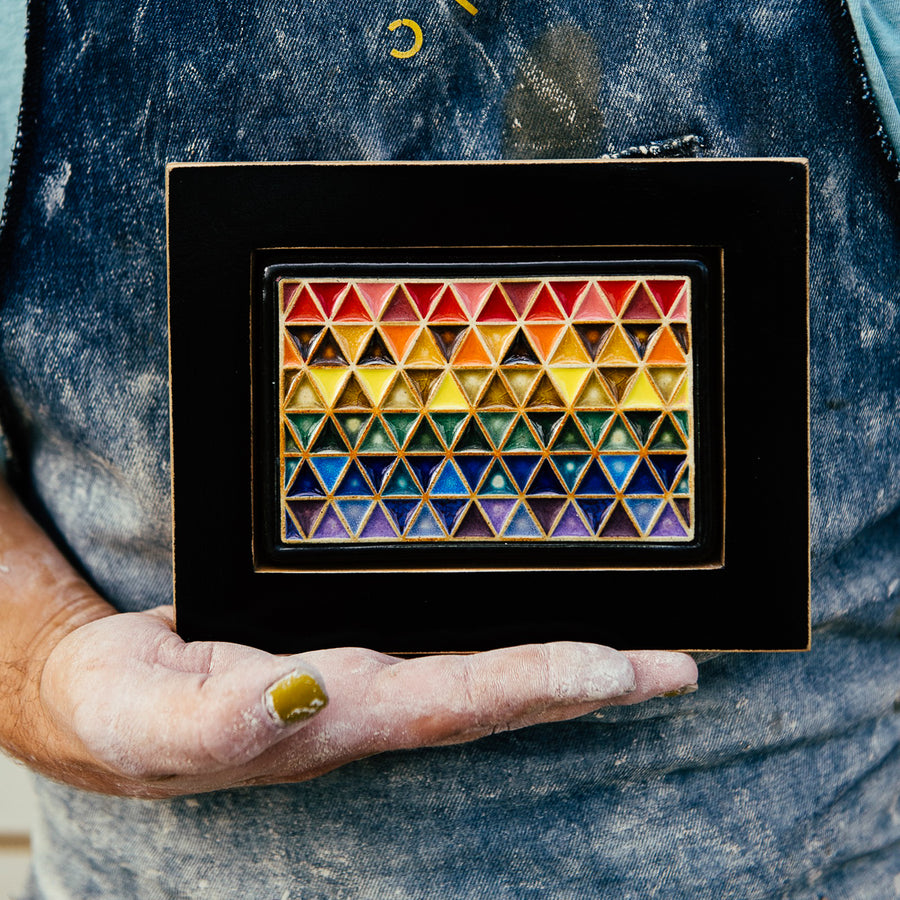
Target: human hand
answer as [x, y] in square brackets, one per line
[131, 709]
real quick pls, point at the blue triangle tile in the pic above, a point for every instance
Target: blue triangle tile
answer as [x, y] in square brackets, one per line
[595, 481]
[291, 531]
[354, 512]
[375, 467]
[401, 511]
[643, 511]
[306, 484]
[546, 481]
[473, 467]
[425, 525]
[619, 466]
[522, 467]
[424, 467]
[570, 467]
[448, 482]
[643, 481]
[449, 510]
[353, 484]
[522, 524]
[497, 482]
[668, 465]
[329, 469]
[401, 482]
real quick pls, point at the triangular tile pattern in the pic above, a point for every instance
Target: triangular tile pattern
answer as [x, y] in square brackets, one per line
[513, 409]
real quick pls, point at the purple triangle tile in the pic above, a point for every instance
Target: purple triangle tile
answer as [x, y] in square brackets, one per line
[474, 525]
[331, 527]
[667, 525]
[497, 512]
[619, 525]
[546, 510]
[570, 525]
[378, 525]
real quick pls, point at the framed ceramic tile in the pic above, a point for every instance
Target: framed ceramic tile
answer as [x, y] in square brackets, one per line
[444, 407]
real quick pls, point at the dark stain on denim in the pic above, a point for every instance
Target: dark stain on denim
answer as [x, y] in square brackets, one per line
[551, 110]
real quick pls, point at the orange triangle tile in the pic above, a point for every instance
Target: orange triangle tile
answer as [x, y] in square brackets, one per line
[352, 338]
[666, 292]
[425, 351]
[423, 294]
[375, 295]
[399, 337]
[290, 357]
[617, 350]
[666, 351]
[399, 309]
[352, 309]
[496, 308]
[471, 352]
[472, 294]
[593, 307]
[617, 292]
[569, 293]
[543, 337]
[328, 293]
[641, 306]
[304, 308]
[497, 338]
[448, 309]
[545, 308]
[520, 293]
[570, 350]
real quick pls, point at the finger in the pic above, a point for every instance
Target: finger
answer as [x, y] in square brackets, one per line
[445, 699]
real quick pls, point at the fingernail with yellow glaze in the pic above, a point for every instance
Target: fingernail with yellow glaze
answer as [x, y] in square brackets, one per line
[295, 698]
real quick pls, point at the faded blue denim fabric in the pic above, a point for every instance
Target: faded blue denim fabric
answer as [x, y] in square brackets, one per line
[779, 778]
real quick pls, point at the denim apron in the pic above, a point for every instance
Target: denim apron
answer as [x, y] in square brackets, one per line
[779, 778]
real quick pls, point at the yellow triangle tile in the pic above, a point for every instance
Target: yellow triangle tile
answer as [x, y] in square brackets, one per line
[521, 382]
[617, 351]
[570, 351]
[352, 339]
[497, 339]
[376, 380]
[569, 381]
[666, 379]
[682, 396]
[473, 381]
[594, 395]
[302, 395]
[353, 396]
[401, 396]
[329, 380]
[497, 395]
[447, 395]
[642, 394]
[425, 352]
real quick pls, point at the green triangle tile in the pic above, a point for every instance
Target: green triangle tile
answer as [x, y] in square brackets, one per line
[570, 467]
[352, 424]
[521, 438]
[290, 466]
[377, 439]
[682, 417]
[594, 424]
[668, 438]
[496, 425]
[544, 424]
[304, 426]
[401, 482]
[618, 438]
[569, 437]
[642, 422]
[473, 438]
[497, 482]
[684, 484]
[448, 425]
[400, 425]
[290, 445]
[423, 439]
[329, 440]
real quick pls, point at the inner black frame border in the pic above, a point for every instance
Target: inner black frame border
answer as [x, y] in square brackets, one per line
[745, 221]
[704, 270]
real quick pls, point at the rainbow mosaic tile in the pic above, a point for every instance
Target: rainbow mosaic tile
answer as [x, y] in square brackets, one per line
[510, 409]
